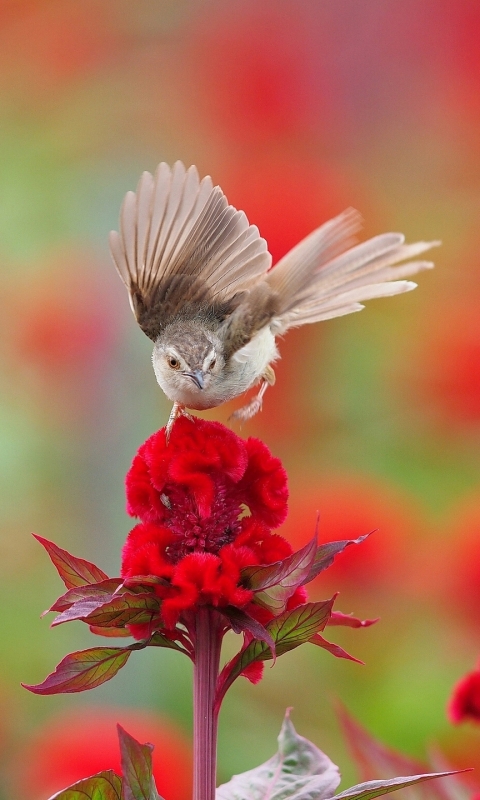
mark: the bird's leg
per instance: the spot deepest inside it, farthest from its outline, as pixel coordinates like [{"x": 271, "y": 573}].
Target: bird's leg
[
  {"x": 253, "y": 407},
  {"x": 178, "y": 410}
]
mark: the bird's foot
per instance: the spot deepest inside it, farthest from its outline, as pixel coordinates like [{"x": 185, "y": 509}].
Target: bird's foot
[
  {"x": 253, "y": 407},
  {"x": 177, "y": 411}
]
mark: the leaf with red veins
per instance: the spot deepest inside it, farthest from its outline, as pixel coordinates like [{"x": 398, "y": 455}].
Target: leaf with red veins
[
  {"x": 274, "y": 584},
  {"x": 334, "y": 649},
  {"x": 144, "y": 580},
  {"x": 244, "y": 623},
  {"x": 72, "y": 570},
  {"x": 85, "y": 669},
  {"x": 159, "y": 639},
  {"x": 326, "y": 553},
  {"x": 289, "y": 630},
  {"x": 91, "y": 590},
  {"x": 337, "y": 618},
  {"x": 138, "y": 781},
  {"x": 116, "y": 612},
  {"x": 105, "y": 785},
  {"x": 110, "y": 633}
]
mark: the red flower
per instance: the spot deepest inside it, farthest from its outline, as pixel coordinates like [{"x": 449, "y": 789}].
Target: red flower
[
  {"x": 191, "y": 496},
  {"x": 465, "y": 701},
  {"x": 202, "y": 561}
]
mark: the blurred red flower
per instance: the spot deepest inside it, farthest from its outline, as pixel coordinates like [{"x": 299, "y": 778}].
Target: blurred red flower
[
  {"x": 349, "y": 506},
  {"x": 254, "y": 72},
  {"x": 287, "y": 196},
  {"x": 459, "y": 569},
  {"x": 448, "y": 377},
  {"x": 191, "y": 496},
  {"x": 464, "y": 703},
  {"x": 61, "y": 333},
  {"x": 79, "y": 743}
]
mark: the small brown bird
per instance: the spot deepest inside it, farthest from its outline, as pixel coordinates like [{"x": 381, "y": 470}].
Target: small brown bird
[{"x": 201, "y": 285}]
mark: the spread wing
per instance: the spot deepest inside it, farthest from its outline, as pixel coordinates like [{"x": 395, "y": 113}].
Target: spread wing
[
  {"x": 323, "y": 277},
  {"x": 181, "y": 246},
  {"x": 311, "y": 285}
]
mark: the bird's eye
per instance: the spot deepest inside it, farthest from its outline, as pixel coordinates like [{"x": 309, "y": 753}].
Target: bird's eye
[
  {"x": 212, "y": 364},
  {"x": 173, "y": 362}
]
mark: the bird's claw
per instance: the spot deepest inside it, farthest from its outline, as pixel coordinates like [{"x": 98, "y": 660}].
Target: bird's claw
[
  {"x": 177, "y": 411},
  {"x": 253, "y": 407}
]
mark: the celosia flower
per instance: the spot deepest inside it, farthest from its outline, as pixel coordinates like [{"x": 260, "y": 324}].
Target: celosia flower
[
  {"x": 205, "y": 500},
  {"x": 465, "y": 701},
  {"x": 204, "y": 559}
]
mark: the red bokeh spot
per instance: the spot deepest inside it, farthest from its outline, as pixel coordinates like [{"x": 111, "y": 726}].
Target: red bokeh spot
[
  {"x": 77, "y": 744},
  {"x": 349, "y": 507},
  {"x": 254, "y": 72},
  {"x": 287, "y": 197},
  {"x": 449, "y": 374}
]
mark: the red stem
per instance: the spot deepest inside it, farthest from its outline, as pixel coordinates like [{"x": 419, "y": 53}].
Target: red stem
[{"x": 208, "y": 642}]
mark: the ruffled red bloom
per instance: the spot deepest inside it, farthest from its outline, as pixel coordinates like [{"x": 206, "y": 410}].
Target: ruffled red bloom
[
  {"x": 192, "y": 496},
  {"x": 465, "y": 701}
]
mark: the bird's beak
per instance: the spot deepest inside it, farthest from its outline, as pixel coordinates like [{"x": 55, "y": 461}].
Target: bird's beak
[{"x": 197, "y": 377}]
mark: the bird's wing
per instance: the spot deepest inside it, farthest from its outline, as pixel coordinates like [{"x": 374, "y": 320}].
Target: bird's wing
[
  {"x": 181, "y": 244},
  {"x": 313, "y": 282}
]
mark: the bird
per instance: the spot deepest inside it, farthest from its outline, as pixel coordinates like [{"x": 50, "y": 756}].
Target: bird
[{"x": 202, "y": 287}]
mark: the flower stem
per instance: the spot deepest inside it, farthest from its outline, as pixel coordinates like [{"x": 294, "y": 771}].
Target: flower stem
[{"x": 208, "y": 642}]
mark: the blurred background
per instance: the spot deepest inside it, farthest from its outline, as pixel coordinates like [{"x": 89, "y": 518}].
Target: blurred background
[{"x": 298, "y": 109}]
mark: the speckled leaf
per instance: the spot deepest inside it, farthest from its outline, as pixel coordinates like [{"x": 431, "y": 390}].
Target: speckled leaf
[
  {"x": 298, "y": 771},
  {"x": 103, "y": 786},
  {"x": 138, "y": 782},
  {"x": 72, "y": 570}
]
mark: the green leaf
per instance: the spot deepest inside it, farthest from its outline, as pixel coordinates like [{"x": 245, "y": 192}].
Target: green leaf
[
  {"x": 273, "y": 584},
  {"x": 85, "y": 669},
  {"x": 104, "y": 786},
  {"x": 138, "y": 782},
  {"x": 371, "y": 789},
  {"x": 289, "y": 630},
  {"x": 116, "y": 612},
  {"x": 299, "y": 770},
  {"x": 72, "y": 570}
]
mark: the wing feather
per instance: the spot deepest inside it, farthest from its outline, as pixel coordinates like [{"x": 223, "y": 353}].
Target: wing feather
[
  {"x": 317, "y": 288},
  {"x": 181, "y": 245}
]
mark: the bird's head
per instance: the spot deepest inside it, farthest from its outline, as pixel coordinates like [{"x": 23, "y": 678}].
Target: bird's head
[{"x": 186, "y": 359}]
